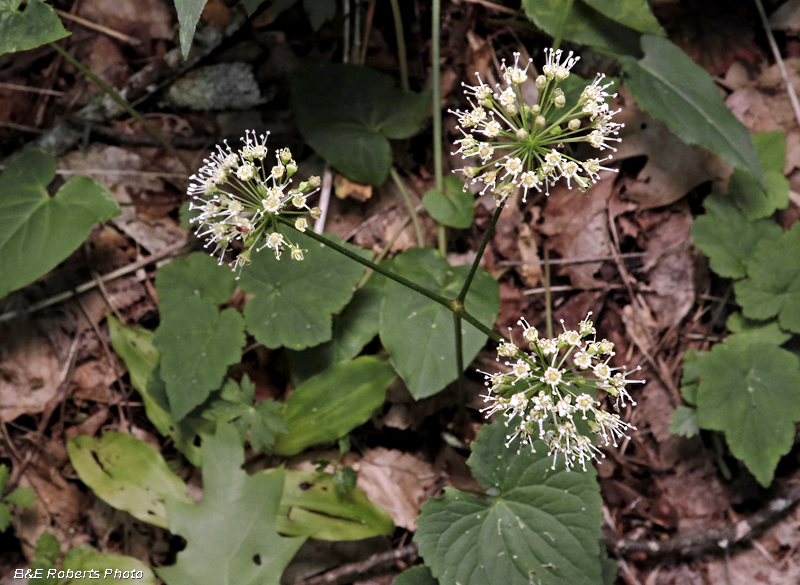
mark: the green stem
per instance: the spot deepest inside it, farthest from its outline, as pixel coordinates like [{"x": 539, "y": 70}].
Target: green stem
[
  {"x": 459, "y": 351},
  {"x": 548, "y": 303},
  {"x": 467, "y": 283},
  {"x": 112, "y": 93},
  {"x": 436, "y": 24},
  {"x": 451, "y": 304},
  {"x": 401, "y": 43},
  {"x": 412, "y": 210},
  {"x": 562, "y": 24},
  {"x": 441, "y": 236}
]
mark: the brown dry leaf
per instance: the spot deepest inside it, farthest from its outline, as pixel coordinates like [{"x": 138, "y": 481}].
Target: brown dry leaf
[
  {"x": 150, "y": 19},
  {"x": 577, "y": 224},
  {"x": 528, "y": 252},
  {"x": 398, "y": 482},
  {"x": 106, "y": 60},
  {"x": 576, "y": 307},
  {"x": 669, "y": 264},
  {"x": 655, "y": 407},
  {"x": 216, "y": 14},
  {"x": 673, "y": 167},
  {"x": 751, "y": 566},
  {"x": 344, "y": 188}
]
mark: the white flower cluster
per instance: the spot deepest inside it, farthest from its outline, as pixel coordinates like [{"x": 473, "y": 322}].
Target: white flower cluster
[
  {"x": 549, "y": 386},
  {"x": 516, "y": 144},
  {"x": 240, "y": 196}
]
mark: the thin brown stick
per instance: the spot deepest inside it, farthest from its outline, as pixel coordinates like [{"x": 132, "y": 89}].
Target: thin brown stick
[
  {"x": 552, "y": 261},
  {"x": 28, "y": 89},
  {"x": 493, "y": 6},
  {"x": 349, "y": 572},
  {"x": 99, "y": 28}
]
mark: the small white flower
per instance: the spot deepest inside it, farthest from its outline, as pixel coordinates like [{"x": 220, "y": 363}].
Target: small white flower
[
  {"x": 583, "y": 360},
  {"x": 246, "y": 172},
  {"x": 301, "y": 224},
  {"x": 297, "y": 253},
  {"x": 552, "y": 376}
]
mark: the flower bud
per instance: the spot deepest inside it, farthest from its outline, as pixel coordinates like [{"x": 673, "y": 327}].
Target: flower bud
[
  {"x": 574, "y": 124},
  {"x": 286, "y": 155},
  {"x": 535, "y": 109},
  {"x": 522, "y": 134},
  {"x": 560, "y": 101},
  {"x": 291, "y": 168},
  {"x": 541, "y": 82},
  {"x": 314, "y": 181},
  {"x": 540, "y": 121},
  {"x": 316, "y": 212}
]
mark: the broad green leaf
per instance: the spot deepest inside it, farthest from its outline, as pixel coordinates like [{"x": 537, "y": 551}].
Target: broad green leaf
[
  {"x": 684, "y": 422},
  {"x": 48, "y": 550},
  {"x": 347, "y": 112},
  {"x": 353, "y": 328},
  {"x": 772, "y": 286},
  {"x": 263, "y": 420},
  {"x": 757, "y": 331},
  {"x": 250, "y": 6},
  {"x": 533, "y": 525},
  {"x": 418, "y": 332},
  {"x": 749, "y": 391},
  {"x": 331, "y": 404},
  {"x": 128, "y": 474},
  {"x": 37, "y": 231},
  {"x": 583, "y": 25},
  {"x": 420, "y": 575},
  {"x": 135, "y": 347},
  {"x": 189, "y": 12},
  {"x": 312, "y": 506},
  {"x": 196, "y": 344},
  {"x": 37, "y": 25},
  {"x": 728, "y": 237},
  {"x": 454, "y": 207},
  {"x": 23, "y": 496},
  {"x": 635, "y": 14},
  {"x": 754, "y": 201},
  {"x": 196, "y": 276},
  {"x": 3, "y": 478},
  {"x": 94, "y": 565},
  {"x": 293, "y": 301},
  {"x": 231, "y": 536},
  {"x": 691, "y": 376},
  {"x": 5, "y": 517},
  {"x": 319, "y": 11},
  {"x": 676, "y": 90}
]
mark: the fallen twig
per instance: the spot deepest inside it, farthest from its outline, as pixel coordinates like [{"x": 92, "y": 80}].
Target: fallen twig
[{"x": 347, "y": 573}]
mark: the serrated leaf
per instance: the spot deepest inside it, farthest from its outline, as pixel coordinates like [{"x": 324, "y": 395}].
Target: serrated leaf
[
  {"x": 691, "y": 376},
  {"x": 539, "y": 524},
  {"x": 47, "y": 549},
  {"x": 757, "y": 331},
  {"x": 728, "y": 237},
  {"x": 749, "y": 391},
  {"x": 420, "y": 575},
  {"x": 231, "y": 536},
  {"x": 418, "y": 332},
  {"x": 23, "y": 496},
  {"x": 454, "y": 207},
  {"x": 293, "y": 301},
  {"x": 196, "y": 276},
  {"x": 347, "y": 112},
  {"x": 37, "y": 231},
  {"x": 684, "y": 422},
  {"x": 331, "y": 404},
  {"x": 354, "y": 327},
  {"x": 755, "y": 201},
  {"x": 85, "y": 559},
  {"x": 189, "y": 12},
  {"x": 127, "y": 474},
  {"x": 772, "y": 286},
  {"x": 312, "y": 506},
  {"x": 135, "y": 347},
  {"x": 196, "y": 344},
  {"x": 583, "y": 25},
  {"x": 635, "y": 14},
  {"x": 23, "y": 30},
  {"x": 263, "y": 420},
  {"x": 676, "y": 90}
]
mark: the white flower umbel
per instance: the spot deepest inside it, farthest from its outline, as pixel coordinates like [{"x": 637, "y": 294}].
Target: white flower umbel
[
  {"x": 241, "y": 193},
  {"x": 551, "y": 386},
  {"x": 516, "y": 144}
]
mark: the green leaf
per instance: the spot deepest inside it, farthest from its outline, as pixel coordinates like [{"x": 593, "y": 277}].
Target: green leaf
[
  {"x": 189, "y": 12},
  {"x": 231, "y": 536},
  {"x": 418, "y": 332},
  {"x": 728, "y": 237},
  {"x": 84, "y": 559},
  {"x": 250, "y": 6},
  {"x": 454, "y": 207},
  {"x": 416, "y": 576},
  {"x": 345, "y": 479},
  {"x": 37, "y": 25},
  {"x": 635, "y": 14},
  {"x": 196, "y": 276},
  {"x": 772, "y": 286},
  {"x": 5, "y": 517},
  {"x": 263, "y": 420},
  {"x": 196, "y": 344},
  {"x": 3, "y": 478},
  {"x": 293, "y": 301},
  {"x": 128, "y": 474},
  {"x": 749, "y": 391},
  {"x": 353, "y": 328},
  {"x": 534, "y": 525},
  {"x": 347, "y": 112},
  {"x": 583, "y": 25},
  {"x": 333, "y": 403},
  {"x": 684, "y": 422},
  {"x": 312, "y": 506},
  {"x": 47, "y": 549},
  {"x": 23, "y": 496},
  {"x": 752, "y": 198},
  {"x": 757, "y": 331},
  {"x": 319, "y": 11},
  {"x": 37, "y": 231},
  {"x": 135, "y": 347},
  {"x": 676, "y": 90}
]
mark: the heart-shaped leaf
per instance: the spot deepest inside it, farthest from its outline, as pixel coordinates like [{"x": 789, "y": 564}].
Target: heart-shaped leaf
[
  {"x": 20, "y": 31},
  {"x": 454, "y": 207}
]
